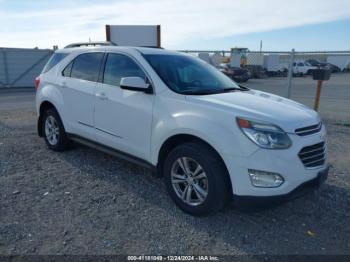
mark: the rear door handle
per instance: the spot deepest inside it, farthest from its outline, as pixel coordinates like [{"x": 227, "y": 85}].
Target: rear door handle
[{"x": 102, "y": 96}]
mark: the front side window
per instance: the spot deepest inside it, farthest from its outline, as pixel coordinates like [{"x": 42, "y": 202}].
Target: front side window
[
  {"x": 189, "y": 75},
  {"x": 87, "y": 66},
  {"x": 119, "y": 66}
]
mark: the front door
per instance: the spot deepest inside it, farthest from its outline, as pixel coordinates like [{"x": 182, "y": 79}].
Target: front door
[{"x": 123, "y": 118}]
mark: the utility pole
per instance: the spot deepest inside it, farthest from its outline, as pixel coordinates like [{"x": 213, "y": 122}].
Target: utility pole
[{"x": 290, "y": 73}]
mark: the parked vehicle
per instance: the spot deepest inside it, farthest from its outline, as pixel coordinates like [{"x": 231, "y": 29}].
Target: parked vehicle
[
  {"x": 256, "y": 71},
  {"x": 238, "y": 74},
  {"x": 283, "y": 72},
  {"x": 210, "y": 139},
  {"x": 303, "y": 68},
  {"x": 313, "y": 62},
  {"x": 331, "y": 67}
]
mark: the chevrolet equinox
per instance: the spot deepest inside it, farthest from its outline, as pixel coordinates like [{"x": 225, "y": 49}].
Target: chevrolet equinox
[{"x": 209, "y": 138}]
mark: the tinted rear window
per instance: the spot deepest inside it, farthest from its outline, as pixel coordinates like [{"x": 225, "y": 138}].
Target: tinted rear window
[
  {"x": 54, "y": 60},
  {"x": 87, "y": 66}
]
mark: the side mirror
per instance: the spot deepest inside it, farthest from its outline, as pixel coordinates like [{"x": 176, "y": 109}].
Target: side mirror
[{"x": 135, "y": 83}]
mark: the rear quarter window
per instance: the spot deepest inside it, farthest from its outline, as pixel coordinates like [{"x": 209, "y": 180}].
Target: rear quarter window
[{"x": 54, "y": 60}]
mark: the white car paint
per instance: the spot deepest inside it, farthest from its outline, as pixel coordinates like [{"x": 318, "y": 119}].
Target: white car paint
[
  {"x": 303, "y": 68},
  {"x": 140, "y": 123}
]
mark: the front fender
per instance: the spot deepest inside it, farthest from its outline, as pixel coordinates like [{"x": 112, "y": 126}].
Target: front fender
[{"x": 220, "y": 132}]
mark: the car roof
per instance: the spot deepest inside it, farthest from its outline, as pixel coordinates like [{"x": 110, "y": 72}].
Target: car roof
[{"x": 129, "y": 49}]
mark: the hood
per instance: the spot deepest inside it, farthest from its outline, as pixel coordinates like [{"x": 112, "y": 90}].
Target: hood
[{"x": 287, "y": 114}]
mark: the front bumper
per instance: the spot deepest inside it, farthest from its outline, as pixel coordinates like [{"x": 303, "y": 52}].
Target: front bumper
[
  {"x": 304, "y": 188},
  {"x": 286, "y": 163}
]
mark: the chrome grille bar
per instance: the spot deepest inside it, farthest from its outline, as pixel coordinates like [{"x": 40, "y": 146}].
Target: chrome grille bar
[{"x": 309, "y": 130}]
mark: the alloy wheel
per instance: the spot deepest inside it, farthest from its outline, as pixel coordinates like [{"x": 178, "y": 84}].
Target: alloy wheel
[
  {"x": 189, "y": 181},
  {"x": 52, "y": 130}
]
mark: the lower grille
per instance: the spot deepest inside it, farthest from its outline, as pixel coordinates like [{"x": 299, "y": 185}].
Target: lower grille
[{"x": 313, "y": 156}]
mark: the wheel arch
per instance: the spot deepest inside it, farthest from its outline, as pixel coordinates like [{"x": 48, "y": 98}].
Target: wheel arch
[
  {"x": 44, "y": 106},
  {"x": 178, "y": 139}
]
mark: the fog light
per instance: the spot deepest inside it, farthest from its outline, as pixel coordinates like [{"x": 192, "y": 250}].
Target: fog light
[{"x": 265, "y": 179}]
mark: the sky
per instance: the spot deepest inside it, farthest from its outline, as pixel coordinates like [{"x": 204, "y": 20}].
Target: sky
[{"x": 305, "y": 25}]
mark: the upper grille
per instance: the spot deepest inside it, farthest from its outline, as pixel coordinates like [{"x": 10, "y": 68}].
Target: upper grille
[
  {"x": 308, "y": 130},
  {"x": 313, "y": 156}
]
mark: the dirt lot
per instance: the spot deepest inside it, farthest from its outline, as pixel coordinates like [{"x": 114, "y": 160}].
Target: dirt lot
[{"x": 86, "y": 202}]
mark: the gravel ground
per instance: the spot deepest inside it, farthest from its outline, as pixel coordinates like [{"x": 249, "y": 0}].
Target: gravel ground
[{"x": 86, "y": 202}]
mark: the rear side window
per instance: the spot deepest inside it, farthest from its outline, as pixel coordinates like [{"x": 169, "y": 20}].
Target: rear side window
[
  {"x": 119, "y": 66},
  {"x": 54, "y": 60},
  {"x": 86, "y": 66}
]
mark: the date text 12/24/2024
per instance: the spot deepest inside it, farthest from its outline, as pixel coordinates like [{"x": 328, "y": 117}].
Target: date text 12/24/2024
[{"x": 173, "y": 258}]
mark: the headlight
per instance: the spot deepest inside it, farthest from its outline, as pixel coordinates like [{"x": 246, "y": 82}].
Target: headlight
[{"x": 265, "y": 135}]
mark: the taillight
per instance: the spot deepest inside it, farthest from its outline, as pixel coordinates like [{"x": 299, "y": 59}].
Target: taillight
[{"x": 37, "y": 82}]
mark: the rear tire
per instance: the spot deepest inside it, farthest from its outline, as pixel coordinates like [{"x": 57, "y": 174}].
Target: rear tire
[
  {"x": 53, "y": 131},
  {"x": 196, "y": 179}
]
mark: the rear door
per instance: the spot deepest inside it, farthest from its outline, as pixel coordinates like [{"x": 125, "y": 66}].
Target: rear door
[
  {"x": 123, "y": 118},
  {"x": 78, "y": 83}
]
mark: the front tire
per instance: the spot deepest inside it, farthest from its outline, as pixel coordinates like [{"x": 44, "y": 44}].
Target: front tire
[
  {"x": 53, "y": 130},
  {"x": 196, "y": 179}
]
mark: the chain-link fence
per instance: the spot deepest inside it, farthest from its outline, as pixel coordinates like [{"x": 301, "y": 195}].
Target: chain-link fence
[{"x": 265, "y": 64}]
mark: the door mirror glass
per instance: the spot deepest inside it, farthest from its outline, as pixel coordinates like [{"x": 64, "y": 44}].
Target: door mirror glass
[{"x": 135, "y": 83}]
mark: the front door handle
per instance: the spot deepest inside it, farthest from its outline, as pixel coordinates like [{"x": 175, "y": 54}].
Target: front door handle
[{"x": 102, "y": 96}]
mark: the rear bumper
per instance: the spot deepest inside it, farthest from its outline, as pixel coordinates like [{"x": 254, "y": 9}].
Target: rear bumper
[{"x": 306, "y": 187}]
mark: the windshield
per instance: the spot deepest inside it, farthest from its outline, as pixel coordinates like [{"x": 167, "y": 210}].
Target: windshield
[{"x": 189, "y": 75}]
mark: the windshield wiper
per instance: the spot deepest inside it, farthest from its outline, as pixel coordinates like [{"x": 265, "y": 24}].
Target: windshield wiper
[
  {"x": 215, "y": 91},
  {"x": 200, "y": 92},
  {"x": 240, "y": 88}
]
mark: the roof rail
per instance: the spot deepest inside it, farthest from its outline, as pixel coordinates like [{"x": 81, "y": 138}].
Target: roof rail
[
  {"x": 100, "y": 43},
  {"x": 151, "y": 46}
]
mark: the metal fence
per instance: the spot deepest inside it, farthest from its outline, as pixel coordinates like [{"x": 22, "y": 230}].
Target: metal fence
[
  {"x": 263, "y": 58},
  {"x": 262, "y": 64},
  {"x": 19, "y": 66}
]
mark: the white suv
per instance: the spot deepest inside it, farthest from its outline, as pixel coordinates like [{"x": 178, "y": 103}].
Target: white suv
[
  {"x": 210, "y": 139},
  {"x": 303, "y": 68}
]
